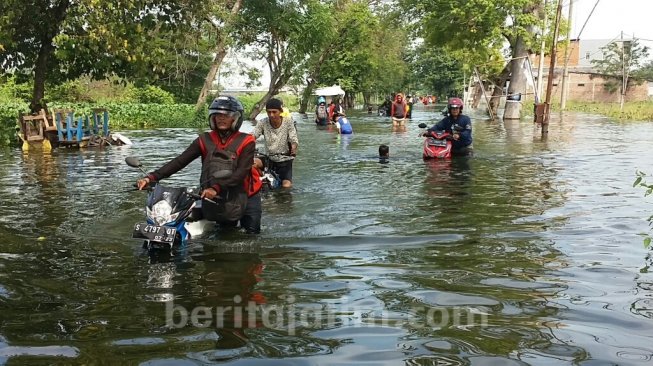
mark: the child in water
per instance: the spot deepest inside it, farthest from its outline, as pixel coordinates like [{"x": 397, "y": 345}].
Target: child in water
[{"x": 384, "y": 154}]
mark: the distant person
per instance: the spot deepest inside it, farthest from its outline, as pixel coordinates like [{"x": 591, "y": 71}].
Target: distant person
[
  {"x": 384, "y": 108},
  {"x": 409, "y": 102},
  {"x": 459, "y": 125},
  {"x": 384, "y": 154},
  {"x": 321, "y": 112},
  {"x": 337, "y": 109},
  {"x": 398, "y": 110},
  {"x": 342, "y": 124},
  {"x": 331, "y": 108}
]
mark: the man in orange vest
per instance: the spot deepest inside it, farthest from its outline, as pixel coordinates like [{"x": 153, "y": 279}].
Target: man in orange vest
[{"x": 224, "y": 139}]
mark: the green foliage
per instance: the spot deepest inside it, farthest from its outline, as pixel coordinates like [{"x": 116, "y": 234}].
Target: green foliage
[
  {"x": 633, "y": 111},
  {"x": 139, "y": 116},
  {"x": 11, "y": 90},
  {"x": 9, "y": 112},
  {"x": 63, "y": 40},
  {"x": 121, "y": 116},
  {"x": 368, "y": 52},
  {"x": 480, "y": 29},
  {"x": 475, "y": 25},
  {"x": 621, "y": 59},
  {"x": 70, "y": 91},
  {"x": 645, "y": 72},
  {"x": 436, "y": 71},
  {"x": 150, "y": 95},
  {"x": 640, "y": 182}
]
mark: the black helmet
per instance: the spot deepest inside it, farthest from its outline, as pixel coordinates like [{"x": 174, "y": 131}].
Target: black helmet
[{"x": 227, "y": 105}]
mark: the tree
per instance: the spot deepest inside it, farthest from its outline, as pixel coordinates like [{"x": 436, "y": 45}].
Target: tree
[
  {"x": 55, "y": 41},
  {"x": 370, "y": 53},
  {"x": 221, "y": 24},
  {"x": 482, "y": 26},
  {"x": 621, "y": 59},
  {"x": 645, "y": 72},
  {"x": 435, "y": 70},
  {"x": 283, "y": 34}
]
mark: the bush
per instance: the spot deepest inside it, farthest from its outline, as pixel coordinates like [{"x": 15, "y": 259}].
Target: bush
[
  {"x": 141, "y": 116},
  {"x": 249, "y": 100},
  {"x": 11, "y": 92},
  {"x": 9, "y": 121},
  {"x": 121, "y": 116},
  {"x": 150, "y": 95},
  {"x": 71, "y": 91}
]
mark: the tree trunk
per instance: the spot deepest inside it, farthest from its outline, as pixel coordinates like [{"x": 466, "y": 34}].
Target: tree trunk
[
  {"x": 497, "y": 93},
  {"x": 312, "y": 79},
  {"x": 476, "y": 96},
  {"x": 220, "y": 53},
  {"x": 45, "y": 52},
  {"x": 517, "y": 80},
  {"x": 306, "y": 95},
  {"x": 40, "y": 71},
  {"x": 258, "y": 107},
  {"x": 277, "y": 81}
]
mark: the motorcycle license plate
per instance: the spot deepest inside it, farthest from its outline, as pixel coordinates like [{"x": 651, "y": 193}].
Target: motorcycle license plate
[
  {"x": 164, "y": 234},
  {"x": 434, "y": 142}
]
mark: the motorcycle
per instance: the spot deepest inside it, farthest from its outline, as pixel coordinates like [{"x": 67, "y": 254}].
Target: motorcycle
[
  {"x": 437, "y": 144},
  {"x": 269, "y": 177},
  {"x": 173, "y": 214}
]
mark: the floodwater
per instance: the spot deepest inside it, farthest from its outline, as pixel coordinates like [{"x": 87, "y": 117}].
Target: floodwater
[{"x": 530, "y": 252}]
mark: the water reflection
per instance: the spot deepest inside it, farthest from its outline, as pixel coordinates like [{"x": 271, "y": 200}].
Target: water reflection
[
  {"x": 448, "y": 177},
  {"x": 538, "y": 239}
]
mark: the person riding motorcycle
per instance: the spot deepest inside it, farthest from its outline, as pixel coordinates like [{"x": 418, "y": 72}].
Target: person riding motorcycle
[
  {"x": 225, "y": 120},
  {"x": 459, "y": 125}
]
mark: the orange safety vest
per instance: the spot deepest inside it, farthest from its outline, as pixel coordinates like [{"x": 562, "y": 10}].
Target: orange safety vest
[{"x": 209, "y": 141}]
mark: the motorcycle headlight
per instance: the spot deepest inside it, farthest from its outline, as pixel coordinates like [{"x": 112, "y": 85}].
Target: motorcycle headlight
[{"x": 161, "y": 213}]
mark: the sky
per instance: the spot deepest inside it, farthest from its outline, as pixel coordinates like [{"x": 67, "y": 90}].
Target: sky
[{"x": 610, "y": 18}]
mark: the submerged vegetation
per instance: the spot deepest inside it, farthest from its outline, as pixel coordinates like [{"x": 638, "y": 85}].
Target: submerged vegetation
[{"x": 641, "y": 182}]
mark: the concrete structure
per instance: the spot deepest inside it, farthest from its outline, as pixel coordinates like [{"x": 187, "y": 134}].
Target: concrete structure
[{"x": 585, "y": 84}]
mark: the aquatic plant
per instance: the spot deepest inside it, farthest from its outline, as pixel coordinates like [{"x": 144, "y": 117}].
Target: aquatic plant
[{"x": 641, "y": 182}]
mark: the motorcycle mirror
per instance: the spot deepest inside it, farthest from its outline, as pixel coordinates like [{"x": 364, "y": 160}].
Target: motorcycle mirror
[
  {"x": 422, "y": 125},
  {"x": 133, "y": 162}
]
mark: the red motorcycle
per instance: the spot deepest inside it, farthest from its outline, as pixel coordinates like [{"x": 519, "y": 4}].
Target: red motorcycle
[{"x": 437, "y": 144}]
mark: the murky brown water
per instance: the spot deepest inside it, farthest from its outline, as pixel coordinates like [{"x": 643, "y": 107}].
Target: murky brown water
[{"x": 528, "y": 253}]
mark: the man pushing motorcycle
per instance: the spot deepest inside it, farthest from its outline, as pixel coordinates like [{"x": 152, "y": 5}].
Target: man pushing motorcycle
[
  {"x": 459, "y": 125},
  {"x": 235, "y": 197}
]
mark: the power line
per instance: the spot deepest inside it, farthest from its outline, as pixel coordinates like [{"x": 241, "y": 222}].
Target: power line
[{"x": 588, "y": 18}]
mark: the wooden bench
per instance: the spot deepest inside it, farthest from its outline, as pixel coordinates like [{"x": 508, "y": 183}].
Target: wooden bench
[{"x": 33, "y": 126}]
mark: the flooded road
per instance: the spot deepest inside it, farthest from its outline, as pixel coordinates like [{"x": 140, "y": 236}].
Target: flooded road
[{"x": 530, "y": 252}]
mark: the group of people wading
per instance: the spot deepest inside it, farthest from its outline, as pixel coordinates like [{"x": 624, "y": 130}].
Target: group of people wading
[{"x": 224, "y": 139}]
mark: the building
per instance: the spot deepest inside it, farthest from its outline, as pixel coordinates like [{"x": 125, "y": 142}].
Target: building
[{"x": 585, "y": 83}]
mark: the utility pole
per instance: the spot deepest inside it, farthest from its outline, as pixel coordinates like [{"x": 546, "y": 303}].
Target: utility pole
[
  {"x": 623, "y": 73},
  {"x": 552, "y": 65},
  {"x": 540, "y": 66},
  {"x": 565, "y": 72}
]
